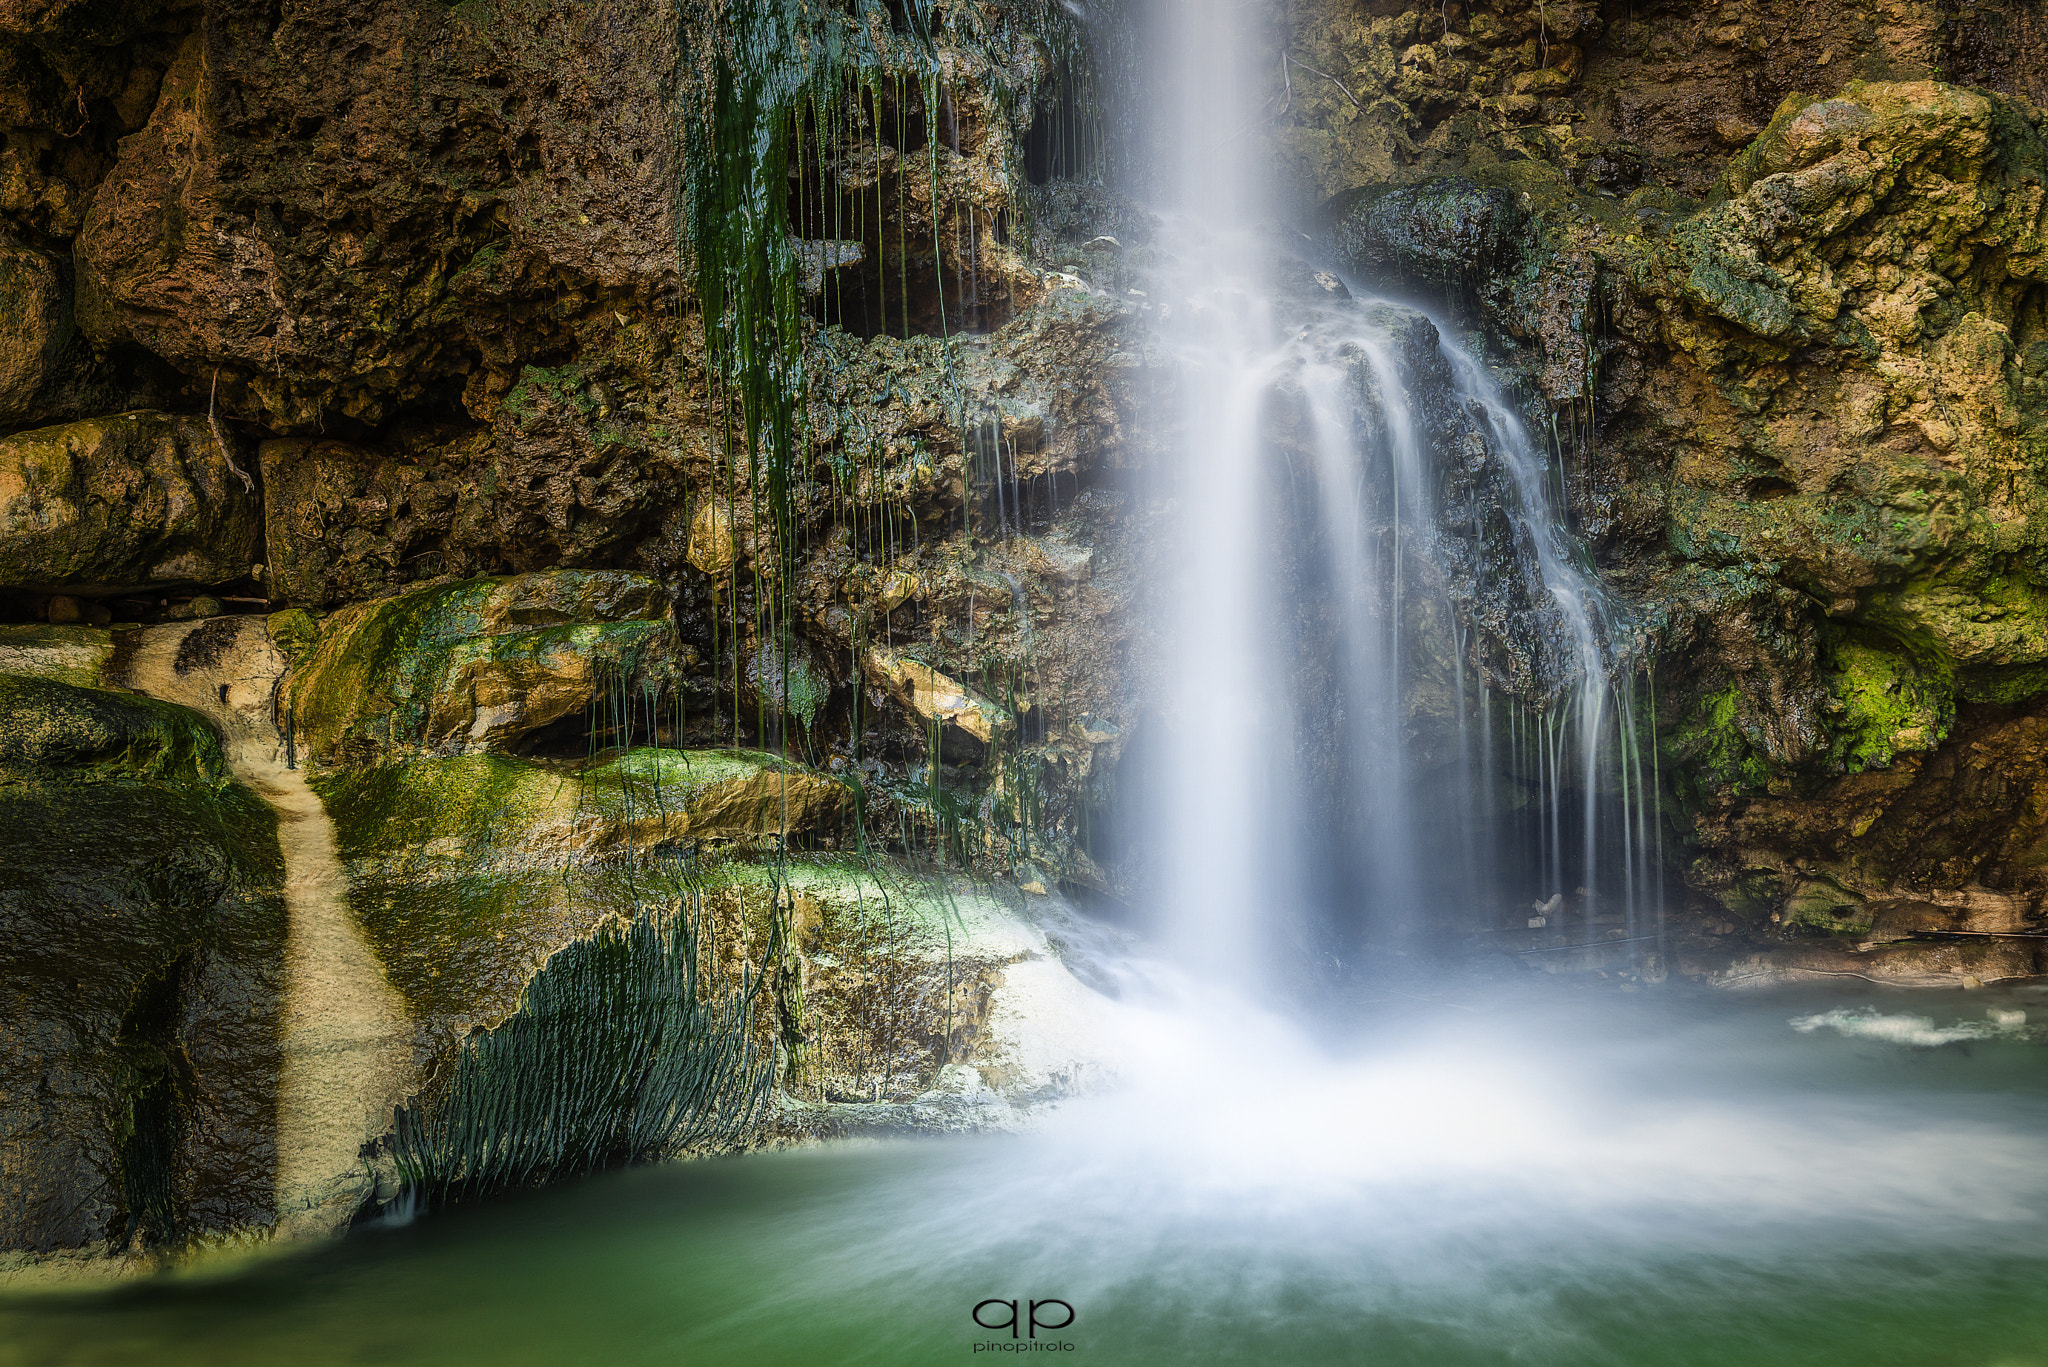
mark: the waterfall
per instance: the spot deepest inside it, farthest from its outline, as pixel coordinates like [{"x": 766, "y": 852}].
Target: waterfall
[{"x": 1329, "y": 774}]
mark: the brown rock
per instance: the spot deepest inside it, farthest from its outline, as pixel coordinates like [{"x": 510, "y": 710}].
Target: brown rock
[
  {"x": 1731, "y": 130},
  {"x": 33, "y": 326},
  {"x": 131, "y": 501}
]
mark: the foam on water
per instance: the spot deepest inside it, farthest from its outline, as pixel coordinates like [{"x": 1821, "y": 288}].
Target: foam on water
[{"x": 1866, "y": 1022}]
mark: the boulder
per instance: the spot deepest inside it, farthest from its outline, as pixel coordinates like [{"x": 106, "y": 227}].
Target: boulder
[
  {"x": 1444, "y": 237},
  {"x": 141, "y": 906},
  {"x": 474, "y": 665},
  {"x": 50, "y": 729},
  {"x": 135, "y": 501},
  {"x": 34, "y": 325}
]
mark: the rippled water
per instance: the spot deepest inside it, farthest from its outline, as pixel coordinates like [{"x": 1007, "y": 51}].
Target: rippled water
[{"x": 1489, "y": 1181}]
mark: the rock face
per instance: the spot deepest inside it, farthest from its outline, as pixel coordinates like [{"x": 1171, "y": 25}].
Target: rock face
[
  {"x": 472, "y": 665},
  {"x": 130, "y": 502},
  {"x": 139, "y": 899},
  {"x": 1803, "y": 415},
  {"x": 1857, "y": 330}
]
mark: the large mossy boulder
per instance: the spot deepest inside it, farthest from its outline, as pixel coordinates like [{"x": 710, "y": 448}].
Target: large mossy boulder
[
  {"x": 144, "y": 924},
  {"x": 468, "y": 872},
  {"x": 54, "y": 730},
  {"x": 475, "y": 665},
  {"x": 128, "y": 502}
]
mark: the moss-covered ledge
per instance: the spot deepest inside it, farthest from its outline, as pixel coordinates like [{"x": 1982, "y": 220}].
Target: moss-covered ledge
[{"x": 472, "y": 665}]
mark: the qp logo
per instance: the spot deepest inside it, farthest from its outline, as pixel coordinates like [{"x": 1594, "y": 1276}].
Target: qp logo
[{"x": 1024, "y": 1318}]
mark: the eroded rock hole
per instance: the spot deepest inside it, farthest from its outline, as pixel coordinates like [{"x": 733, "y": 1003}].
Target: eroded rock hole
[{"x": 1065, "y": 139}]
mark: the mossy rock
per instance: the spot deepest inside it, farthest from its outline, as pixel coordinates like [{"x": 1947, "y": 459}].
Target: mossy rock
[
  {"x": 1712, "y": 749},
  {"x": 472, "y": 665},
  {"x": 51, "y": 730},
  {"x": 295, "y": 631},
  {"x": 126, "y": 502},
  {"x": 145, "y": 929},
  {"x": 1445, "y": 236},
  {"x": 1886, "y": 703},
  {"x": 67, "y": 654},
  {"x": 469, "y": 871},
  {"x": 1820, "y": 903}
]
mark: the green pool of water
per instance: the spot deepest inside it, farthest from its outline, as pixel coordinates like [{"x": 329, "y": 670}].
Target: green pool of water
[{"x": 1637, "y": 1184}]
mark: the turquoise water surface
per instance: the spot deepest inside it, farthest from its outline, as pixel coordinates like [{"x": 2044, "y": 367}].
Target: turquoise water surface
[{"x": 1634, "y": 1183}]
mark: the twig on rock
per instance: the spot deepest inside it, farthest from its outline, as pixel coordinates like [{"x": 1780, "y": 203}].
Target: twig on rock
[
  {"x": 1334, "y": 81},
  {"x": 220, "y": 436}
]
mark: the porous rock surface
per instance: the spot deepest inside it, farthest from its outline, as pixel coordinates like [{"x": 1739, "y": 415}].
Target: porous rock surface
[{"x": 1779, "y": 275}]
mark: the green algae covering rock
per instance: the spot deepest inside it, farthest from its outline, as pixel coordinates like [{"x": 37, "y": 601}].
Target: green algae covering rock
[
  {"x": 468, "y": 872},
  {"x": 50, "y": 729},
  {"x": 474, "y": 665},
  {"x": 68, "y": 654},
  {"x": 141, "y": 908},
  {"x": 126, "y": 502}
]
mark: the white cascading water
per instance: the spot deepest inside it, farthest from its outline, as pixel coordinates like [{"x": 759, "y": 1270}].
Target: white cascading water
[
  {"x": 1305, "y": 546},
  {"x": 1453, "y": 1147}
]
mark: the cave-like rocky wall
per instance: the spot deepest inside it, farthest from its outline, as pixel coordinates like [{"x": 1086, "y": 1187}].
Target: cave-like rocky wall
[
  {"x": 1775, "y": 272},
  {"x": 397, "y": 293},
  {"x": 375, "y": 327}
]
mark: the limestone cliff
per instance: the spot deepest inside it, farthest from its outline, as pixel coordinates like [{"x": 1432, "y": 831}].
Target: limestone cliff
[{"x": 1776, "y": 275}]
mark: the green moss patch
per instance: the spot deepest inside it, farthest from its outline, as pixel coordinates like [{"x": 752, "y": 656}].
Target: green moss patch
[
  {"x": 413, "y": 671},
  {"x": 1884, "y": 702},
  {"x": 58, "y": 731}
]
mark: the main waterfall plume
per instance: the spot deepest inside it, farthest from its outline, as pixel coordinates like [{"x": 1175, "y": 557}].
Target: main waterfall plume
[{"x": 1341, "y": 755}]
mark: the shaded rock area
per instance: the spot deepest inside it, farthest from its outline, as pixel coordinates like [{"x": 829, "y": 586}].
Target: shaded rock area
[{"x": 141, "y": 906}]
